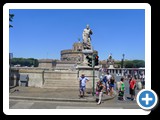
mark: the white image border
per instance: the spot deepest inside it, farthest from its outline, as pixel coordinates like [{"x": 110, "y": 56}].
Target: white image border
[{"x": 8, "y": 6}]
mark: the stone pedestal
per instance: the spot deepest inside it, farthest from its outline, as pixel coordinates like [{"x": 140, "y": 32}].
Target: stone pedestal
[
  {"x": 85, "y": 53},
  {"x": 111, "y": 66}
]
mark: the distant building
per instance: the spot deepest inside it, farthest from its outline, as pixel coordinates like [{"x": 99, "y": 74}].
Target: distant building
[
  {"x": 69, "y": 58},
  {"x": 75, "y": 54}
]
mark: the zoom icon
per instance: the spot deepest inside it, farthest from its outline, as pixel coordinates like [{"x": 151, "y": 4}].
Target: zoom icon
[{"x": 147, "y": 99}]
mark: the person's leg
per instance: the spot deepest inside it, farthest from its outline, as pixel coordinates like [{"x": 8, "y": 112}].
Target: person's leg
[
  {"x": 80, "y": 91},
  {"x": 83, "y": 91},
  {"x": 134, "y": 97},
  {"x": 111, "y": 92},
  {"x": 106, "y": 89},
  {"x": 131, "y": 93},
  {"x": 124, "y": 96},
  {"x": 100, "y": 97}
]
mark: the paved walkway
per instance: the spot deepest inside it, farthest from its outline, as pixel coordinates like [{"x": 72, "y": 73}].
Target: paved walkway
[{"x": 49, "y": 94}]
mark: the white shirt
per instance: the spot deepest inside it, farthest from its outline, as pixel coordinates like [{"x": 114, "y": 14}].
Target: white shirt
[
  {"x": 108, "y": 77},
  {"x": 83, "y": 81}
]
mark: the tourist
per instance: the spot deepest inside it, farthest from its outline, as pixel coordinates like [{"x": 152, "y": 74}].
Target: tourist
[
  {"x": 132, "y": 86},
  {"x": 111, "y": 85},
  {"x": 82, "y": 85},
  {"x": 122, "y": 89},
  {"x": 99, "y": 91},
  {"x": 143, "y": 81},
  {"x": 108, "y": 76},
  {"x": 105, "y": 82}
]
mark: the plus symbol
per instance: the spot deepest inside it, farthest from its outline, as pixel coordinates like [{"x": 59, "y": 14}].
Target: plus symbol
[{"x": 147, "y": 99}]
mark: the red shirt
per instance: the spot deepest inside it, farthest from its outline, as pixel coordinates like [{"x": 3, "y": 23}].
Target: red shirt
[{"x": 132, "y": 83}]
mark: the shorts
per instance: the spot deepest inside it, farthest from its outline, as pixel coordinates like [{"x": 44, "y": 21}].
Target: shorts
[
  {"x": 111, "y": 85},
  {"x": 121, "y": 93},
  {"x": 132, "y": 91},
  {"x": 82, "y": 88}
]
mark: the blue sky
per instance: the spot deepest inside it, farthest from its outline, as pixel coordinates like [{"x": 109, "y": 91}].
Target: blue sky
[{"x": 42, "y": 33}]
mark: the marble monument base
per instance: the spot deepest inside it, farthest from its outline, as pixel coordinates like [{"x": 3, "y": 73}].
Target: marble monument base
[{"x": 85, "y": 54}]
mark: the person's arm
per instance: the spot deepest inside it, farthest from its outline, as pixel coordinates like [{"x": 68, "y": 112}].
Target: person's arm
[
  {"x": 87, "y": 79},
  {"x": 91, "y": 32}
]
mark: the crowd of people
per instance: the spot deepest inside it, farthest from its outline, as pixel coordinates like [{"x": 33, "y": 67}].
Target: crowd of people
[{"x": 106, "y": 85}]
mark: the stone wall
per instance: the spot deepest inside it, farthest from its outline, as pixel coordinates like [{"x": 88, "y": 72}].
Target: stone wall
[
  {"x": 36, "y": 78},
  {"x": 49, "y": 78},
  {"x": 46, "y": 63},
  {"x": 58, "y": 79},
  {"x": 14, "y": 78}
]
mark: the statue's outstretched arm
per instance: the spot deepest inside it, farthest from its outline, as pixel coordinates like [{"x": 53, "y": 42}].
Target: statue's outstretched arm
[{"x": 91, "y": 32}]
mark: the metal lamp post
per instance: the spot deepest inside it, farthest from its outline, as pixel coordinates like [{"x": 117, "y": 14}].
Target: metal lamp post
[{"x": 123, "y": 60}]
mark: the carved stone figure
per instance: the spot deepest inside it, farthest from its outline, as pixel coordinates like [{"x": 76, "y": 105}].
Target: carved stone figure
[{"x": 86, "y": 37}]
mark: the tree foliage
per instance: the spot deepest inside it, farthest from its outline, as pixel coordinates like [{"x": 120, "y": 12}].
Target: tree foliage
[
  {"x": 11, "y": 19},
  {"x": 117, "y": 64},
  {"x": 25, "y": 62},
  {"x": 134, "y": 63}
]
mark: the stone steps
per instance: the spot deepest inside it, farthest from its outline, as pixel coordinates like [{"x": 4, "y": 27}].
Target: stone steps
[
  {"x": 60, "y": 86},
  {"x": 61, "y": 78},
  {"x": 60, "y": 83}
]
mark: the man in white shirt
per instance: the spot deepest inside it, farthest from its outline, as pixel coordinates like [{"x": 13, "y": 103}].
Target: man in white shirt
[
  {"x": 108, "y": 76},
  {"x": 82, "y": 84}
]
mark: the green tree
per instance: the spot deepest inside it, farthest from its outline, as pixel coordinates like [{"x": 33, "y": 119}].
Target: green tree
[
  {"x": 117, "y": 63},
  {"x": 134, "y": 63},
  {"x": 25, "y": 62},
  {"x": 128, "y": 64},
  {"x": 139, "y": 63}
]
